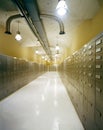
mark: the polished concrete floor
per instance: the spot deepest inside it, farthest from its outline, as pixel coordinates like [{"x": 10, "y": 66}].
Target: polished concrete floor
[{"x": 43, "y": 104}]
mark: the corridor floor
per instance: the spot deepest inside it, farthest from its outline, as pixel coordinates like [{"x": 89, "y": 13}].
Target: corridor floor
[{"x": 43, "y": 104}]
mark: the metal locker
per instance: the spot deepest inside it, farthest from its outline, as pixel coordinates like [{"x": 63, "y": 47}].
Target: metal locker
[
  {"x": 3, "y": 63},
  {"x": 99, "y": 118},
  {"x": 99, "y": 97},
  {"x": 90, "y": 117},
  {"x": 99, "y": 77},
  {"x": 91, "y": 93},
  {"x": 99, "y": 50},
  {"x": 99, "y": 41}
]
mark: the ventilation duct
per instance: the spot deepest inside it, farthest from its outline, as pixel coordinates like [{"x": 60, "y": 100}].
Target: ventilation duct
[{"x": 9, "y": 20}]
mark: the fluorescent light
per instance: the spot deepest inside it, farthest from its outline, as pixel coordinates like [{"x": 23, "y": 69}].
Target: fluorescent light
[{"x": 61, "y": 8}]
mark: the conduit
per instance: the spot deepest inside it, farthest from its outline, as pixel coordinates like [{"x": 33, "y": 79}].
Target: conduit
[
  {"x": 61, "y": 25},
  {"x": 9, "y": 20},
  {"x": 29, "y": 10}
]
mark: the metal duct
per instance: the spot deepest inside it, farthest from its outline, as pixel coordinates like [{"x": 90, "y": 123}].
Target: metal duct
[
  {"x": 9, "y": 20},
  {"x": 61, "y": 25},
  {"x": 29, "y": 9}
]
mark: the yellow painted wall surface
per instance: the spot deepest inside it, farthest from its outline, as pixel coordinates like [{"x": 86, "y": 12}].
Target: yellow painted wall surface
[
  {"x": 87, "y": 30},
  {"x": 9, "y": 46}
]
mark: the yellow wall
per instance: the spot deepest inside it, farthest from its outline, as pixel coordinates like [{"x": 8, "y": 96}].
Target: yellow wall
[
  {"x": 9, "y": 46},
  {"x": 87, "y": 30}
]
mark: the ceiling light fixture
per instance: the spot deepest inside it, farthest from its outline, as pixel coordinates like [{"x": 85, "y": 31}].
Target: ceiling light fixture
[
  {"x": 61, "y": 7},
  {"x": 43, "y": 57},
  {"x": 18, "y": 36},
  {"x": 37, "y": 52},
  {"x": 57, "y": 48}
]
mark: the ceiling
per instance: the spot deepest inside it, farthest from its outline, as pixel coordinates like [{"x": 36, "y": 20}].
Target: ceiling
[{"x": 78, "y": 10}]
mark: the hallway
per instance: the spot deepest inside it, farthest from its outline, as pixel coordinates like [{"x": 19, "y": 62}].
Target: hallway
[{"x": 43, "y": 104}]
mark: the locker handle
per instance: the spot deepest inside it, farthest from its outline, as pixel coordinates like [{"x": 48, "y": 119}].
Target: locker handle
[
  {"x": 98, "y": 41},
  {"x": 98, "y": 76},
  {"x": 90, "y": 85},
  {"x": 90, "y": 59},
  {"x": 98, "y": 66},
  {"x": 98, "y": 89},
  {"x": 99, "y": 113},
  {"x": 98, "y": 57},
  {"x": 84, "y": 82},
  {"x": 84, "y": 117},
  {"x": 90, "y": 66},
  {"x": 90, "y": 47},
  {"x": 90, "y": 53},
  {"x": 89, "y": 74},
  {"x": 98, "y": 49}
]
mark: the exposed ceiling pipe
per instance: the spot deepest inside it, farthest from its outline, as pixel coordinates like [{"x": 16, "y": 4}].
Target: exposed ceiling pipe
[
  {"x": 61, "y": 25},
  {"x": 30, "y": 12},
  {"x": 9, "y": 20}
]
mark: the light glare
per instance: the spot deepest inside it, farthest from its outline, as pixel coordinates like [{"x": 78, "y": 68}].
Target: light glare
[
  {"x": 18, "y": 37},
  {"x": 61, "y": 8},
  {"x": 57, "y": 48},
  {"x": 37, "y": 52}
]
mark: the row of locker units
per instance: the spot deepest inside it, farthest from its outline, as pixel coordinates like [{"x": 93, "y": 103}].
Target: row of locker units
[
  {"x": 15, "y": 73},
  {"x": 82, "y": 74}
]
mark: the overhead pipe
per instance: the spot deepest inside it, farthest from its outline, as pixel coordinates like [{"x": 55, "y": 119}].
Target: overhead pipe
[
  {"x": 61, "y": 25},
  {"x": 30, "y": 12},
  {"x": 9, "y": 20}
]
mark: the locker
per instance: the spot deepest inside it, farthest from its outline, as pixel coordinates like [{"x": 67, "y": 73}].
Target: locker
[
  {"x": 85, "y": 72},
  {"x": 9, "y": 64},
  {"x": 99, "y": 119},
  {"x": 1, "y": 79},
  {"x": 99, "y": 57},
  {"x": 99, "y": 77},
  {"x": 99, "y": 97},
  {"x": 85, "y": 112},
  {"x": 2, "y": 93},
  {"x": 91, "y": 67},
  {"x": 99, "y": 41},
  {"x": 99, "y": 67},
  {"x": 3, "y": 63},
  {"x": 15, "y": 73},
  {"x": 99, "y": 50},
  {"x": 90, "y": 117},
  {"x": 91, "y": 93}
]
